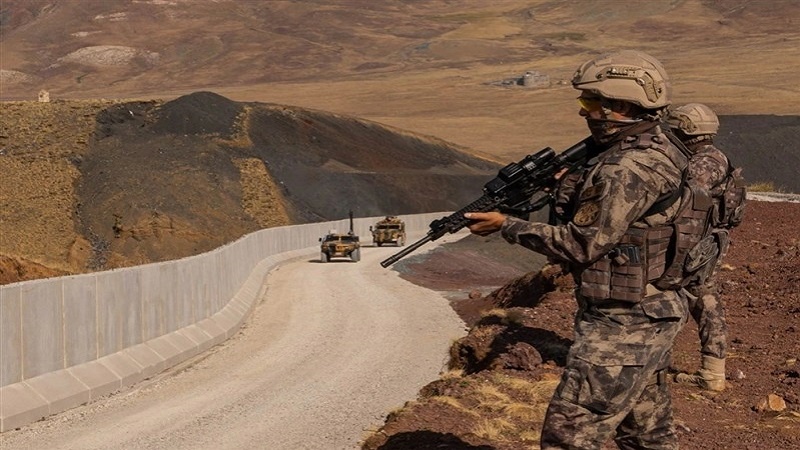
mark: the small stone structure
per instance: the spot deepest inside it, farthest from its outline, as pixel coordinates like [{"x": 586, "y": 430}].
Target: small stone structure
[
  {"x": 535, "y": 79},
  {"x": 530, "y": 79},
  {"x": 44, "y": 96}
]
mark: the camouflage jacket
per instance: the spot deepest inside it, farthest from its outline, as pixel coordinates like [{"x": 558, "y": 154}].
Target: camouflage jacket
[
  {"x": 614, "y": 195},
  {"x": 708, "y": 167}
]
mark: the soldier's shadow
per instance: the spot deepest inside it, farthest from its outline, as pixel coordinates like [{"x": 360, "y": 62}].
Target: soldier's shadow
[{"x": 428, "y": 440}]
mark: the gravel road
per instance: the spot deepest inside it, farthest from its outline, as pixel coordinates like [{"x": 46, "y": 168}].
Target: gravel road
[{"x": 328, "y": 352}]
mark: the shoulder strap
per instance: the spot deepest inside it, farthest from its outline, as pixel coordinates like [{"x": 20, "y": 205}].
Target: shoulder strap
[
  {"x": 666, "y": 200},
  {"x": 677, "y": 142}
]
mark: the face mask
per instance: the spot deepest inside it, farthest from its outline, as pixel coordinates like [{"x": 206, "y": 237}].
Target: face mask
[{"x": 606, "y": 130}]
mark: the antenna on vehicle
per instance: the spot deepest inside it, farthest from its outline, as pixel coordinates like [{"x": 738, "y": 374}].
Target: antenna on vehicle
[{"x": 351, "y": 222}]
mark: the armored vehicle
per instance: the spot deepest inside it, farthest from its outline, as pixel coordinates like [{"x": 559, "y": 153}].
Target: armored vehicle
[
  {"x": 339, "y": 245},
  {"x": 390, "y": 230}
]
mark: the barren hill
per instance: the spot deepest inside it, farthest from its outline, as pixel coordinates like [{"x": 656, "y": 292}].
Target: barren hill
[{"x": 97, "y": 185}]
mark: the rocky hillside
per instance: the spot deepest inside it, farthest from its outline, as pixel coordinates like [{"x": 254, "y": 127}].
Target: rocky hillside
[
  {"x": 503, "y": 373},
  {"x": 92, "y": 185}
]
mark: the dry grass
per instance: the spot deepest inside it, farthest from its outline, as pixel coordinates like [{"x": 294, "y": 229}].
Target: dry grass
[
  {"x": 452, "y": 374},
  {"x": 765, "y": 186},
  {"x": 454, "y": 403},
  {"x": 264, "y": 205},
  {"x": 495, "y": 429},
  {"x": 507, "y": 316},
  {"x": 535, "y": 394},
  {"x": 506, "y": 408},
  {"x": 240, "y": 138},
  {"x": 491, "y": 397}
]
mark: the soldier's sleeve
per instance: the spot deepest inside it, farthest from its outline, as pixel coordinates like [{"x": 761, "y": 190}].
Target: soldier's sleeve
[
  {"x": 707, "y": 170},
  {"x": 619, "y": 195}
]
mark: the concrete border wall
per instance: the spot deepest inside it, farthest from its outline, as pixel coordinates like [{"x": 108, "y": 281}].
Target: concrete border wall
[{"x": 67, "y": 341}]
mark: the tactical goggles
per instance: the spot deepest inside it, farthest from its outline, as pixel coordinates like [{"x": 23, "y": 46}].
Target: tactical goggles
[{"x": 590, "y": 104}]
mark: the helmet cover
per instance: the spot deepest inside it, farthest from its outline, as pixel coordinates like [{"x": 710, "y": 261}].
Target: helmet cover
[
  {"x": 626, "y": 75},
  {"x": 694, "y": 119}
]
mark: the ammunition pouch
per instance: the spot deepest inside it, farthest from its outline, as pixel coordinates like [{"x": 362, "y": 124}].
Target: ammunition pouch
[
  {"x": 702, "y": 254},
  {"x": 623, "y": 273},
  {"x": 703, "y": 260}
]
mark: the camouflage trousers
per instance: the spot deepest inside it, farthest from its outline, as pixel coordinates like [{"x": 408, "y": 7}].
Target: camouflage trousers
[
  {"x": 707, "y": 310},
  {"x": 614, "y": 383}
]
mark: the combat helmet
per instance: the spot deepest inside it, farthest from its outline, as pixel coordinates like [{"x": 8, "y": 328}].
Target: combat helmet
[
  {"x": 628, "y": 75},
  {"x": 693, "y": 119}
]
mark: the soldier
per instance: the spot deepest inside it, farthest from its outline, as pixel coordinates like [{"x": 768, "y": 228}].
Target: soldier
[
  {"x": 696, "y": 125},
  {"x": 612, "y": 237}
]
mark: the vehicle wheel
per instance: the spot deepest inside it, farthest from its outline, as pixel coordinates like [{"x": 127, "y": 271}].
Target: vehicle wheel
[
  {"x": 380, "y": 243},
  {"x": 401, "y": 242},
  {"x": 323, "y": 257},
  {"x": 356, "y": 255}
]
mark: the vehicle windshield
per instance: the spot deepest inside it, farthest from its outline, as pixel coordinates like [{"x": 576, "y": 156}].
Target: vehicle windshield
[{"x": 341, "y": 237}]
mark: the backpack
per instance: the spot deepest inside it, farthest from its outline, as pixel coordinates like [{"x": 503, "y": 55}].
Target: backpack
[
  {"x": 697, "y": 242},
  {"x": 729, "y": 204}
]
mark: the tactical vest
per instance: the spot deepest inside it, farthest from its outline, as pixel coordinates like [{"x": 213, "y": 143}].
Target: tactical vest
[
  {"x": 691, "y": 226},
  {"x": 660, "y": 255}
]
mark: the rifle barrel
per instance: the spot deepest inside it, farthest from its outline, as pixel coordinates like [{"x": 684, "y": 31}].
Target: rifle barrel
[{"x": 396, "y": 257}]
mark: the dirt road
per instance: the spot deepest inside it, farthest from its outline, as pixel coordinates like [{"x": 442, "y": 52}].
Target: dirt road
[{"x": 330, "y": 350}]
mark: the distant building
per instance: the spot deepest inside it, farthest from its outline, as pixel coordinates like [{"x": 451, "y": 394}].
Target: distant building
[
  {"x": 535, "y": 79},
  {"x": 44, "y": 96},
  {"x": 530, "y": 79}
]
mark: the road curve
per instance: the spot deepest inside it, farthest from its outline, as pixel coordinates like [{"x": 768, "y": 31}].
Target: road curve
[{"x": 328, "y": 352}]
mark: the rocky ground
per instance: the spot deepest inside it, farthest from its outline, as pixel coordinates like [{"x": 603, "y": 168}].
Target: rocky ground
[{"x": 504, "y": 371}]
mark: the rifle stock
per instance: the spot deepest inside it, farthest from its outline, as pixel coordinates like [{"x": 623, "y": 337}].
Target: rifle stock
[{"x": 511, "y": 190}]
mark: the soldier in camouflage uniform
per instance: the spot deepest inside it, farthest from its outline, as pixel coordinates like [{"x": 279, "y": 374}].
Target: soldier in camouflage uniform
[
  {"x": 612, "y": 236},
  {"x": 696, "y": 125}
]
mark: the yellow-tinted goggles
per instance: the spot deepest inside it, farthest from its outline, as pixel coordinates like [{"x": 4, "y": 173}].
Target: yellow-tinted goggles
[{"x": 590, "y": 104}]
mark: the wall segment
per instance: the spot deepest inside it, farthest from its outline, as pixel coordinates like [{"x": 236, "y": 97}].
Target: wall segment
[{"x": 70, "y": 340}]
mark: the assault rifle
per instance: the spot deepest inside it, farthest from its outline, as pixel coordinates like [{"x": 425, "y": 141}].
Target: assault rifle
[{"x": 512, "y": 191}]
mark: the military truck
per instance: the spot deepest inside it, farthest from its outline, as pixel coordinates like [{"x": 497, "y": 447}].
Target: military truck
[
  {"x": 390, "y": 230},
  {"x": 339, "y": 245}
]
